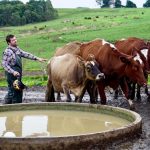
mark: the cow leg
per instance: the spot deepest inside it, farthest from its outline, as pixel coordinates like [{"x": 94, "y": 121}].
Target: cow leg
[
  {"x": 49, "y": 95},
  {"x": 96, "y": 94},
  {"x": 138, "y": 95},
  {"x": 146, "y": 91},
  {"x": 101, "y": 89},
  {"x": 58, "y": 96},
  {"x": 132, "y": 91},
  {"x": 92, "y": 91},
  {"x": 146, "y": 88},
  {"x": 116, "y": 93},
  {"x": 125, "y": 90},
  {"x": 67, "y": 93},
  {"x": 79, "y": 98}
]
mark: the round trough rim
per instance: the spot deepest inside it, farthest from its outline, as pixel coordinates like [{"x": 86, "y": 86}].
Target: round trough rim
[{"x": 128, "y": 130}]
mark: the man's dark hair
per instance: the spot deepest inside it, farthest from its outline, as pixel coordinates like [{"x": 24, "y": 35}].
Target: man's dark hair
[{"x": 8, "y": 37}]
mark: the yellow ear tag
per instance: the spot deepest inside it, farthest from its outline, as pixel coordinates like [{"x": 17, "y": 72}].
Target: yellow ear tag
[{"x": 16, "y": 85}]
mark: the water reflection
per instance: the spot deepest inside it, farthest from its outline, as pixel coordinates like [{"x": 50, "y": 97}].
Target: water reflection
[
  {"x": 24, "y": 126},
  {"x": 33, "y": 126},
  {"x": 2, "y": 125}
]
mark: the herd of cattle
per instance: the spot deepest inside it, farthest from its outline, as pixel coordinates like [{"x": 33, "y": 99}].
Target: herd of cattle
[{"x": 80, "y": 66}]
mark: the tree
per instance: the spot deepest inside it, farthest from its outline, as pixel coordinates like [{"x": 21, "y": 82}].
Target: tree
[
  {"x": 99, "y": 2},
  {"x": 147, "y": 4},
  {"x": 15, "y": 19},
  {"x": 103, "y": 3},
  {"x": 118, "y": 4},
  {"x": 130, "y": 4},
  {"x": 14, "y": 12},
  {"x": 106, "y": 3},
  {"x": 50, "y": 13}
]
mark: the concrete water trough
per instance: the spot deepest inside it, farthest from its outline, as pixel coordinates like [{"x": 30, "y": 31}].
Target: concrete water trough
[{"x": 29, "y": 126}]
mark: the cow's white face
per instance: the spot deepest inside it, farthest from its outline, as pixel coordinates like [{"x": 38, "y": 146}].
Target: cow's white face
[{"x": 134, "y": 71}]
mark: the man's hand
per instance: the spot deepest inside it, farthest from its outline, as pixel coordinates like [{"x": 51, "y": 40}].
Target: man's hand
[
  {"x": 16, "y": 73},
  {"x": 41, "y": 59}
]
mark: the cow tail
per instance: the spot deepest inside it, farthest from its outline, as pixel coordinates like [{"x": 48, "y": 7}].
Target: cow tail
[{"x": 49, "y": 95}]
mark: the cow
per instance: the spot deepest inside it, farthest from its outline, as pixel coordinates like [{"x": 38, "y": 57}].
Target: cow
[
  {"x": 115, "y": 65},
  {"x": 72, "y": 48},
  {"x": 129, "y": 46},
  {"x": 70, "y": 73}
]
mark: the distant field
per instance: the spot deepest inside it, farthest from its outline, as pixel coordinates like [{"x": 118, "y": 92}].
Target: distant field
[{"x": 80, "y": 24}]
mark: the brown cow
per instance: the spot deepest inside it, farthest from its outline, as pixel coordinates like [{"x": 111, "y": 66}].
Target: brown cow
[
  {"x": 115, "y": 65},
  {"x": 128, "y": 46},
  {"x": 69, "y": 73}
]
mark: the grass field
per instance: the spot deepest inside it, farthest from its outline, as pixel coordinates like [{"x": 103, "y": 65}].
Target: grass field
[{"x": 80, "y": 24}]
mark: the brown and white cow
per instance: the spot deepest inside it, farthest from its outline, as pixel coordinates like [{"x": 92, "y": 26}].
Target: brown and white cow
[
  {"x": 69, "y": 73},
  {"x": 142, "y": 49},
  {"x": 114, "y": 64}
]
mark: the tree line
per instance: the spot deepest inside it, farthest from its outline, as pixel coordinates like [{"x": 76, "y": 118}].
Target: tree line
[
  {"x": 117, "y": 3},
  {"x": 15, "y": 12}
]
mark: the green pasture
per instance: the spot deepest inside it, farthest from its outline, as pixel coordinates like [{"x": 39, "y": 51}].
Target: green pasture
[{"x": 80, "y": 24}]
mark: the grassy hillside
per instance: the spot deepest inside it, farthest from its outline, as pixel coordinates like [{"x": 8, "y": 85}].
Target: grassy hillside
[{"x": 81, "y": 24}]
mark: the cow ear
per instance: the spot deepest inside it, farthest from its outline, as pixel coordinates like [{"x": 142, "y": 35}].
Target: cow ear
[{"x": 81, "y": 62}]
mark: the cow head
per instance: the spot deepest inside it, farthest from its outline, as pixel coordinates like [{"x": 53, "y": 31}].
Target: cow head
[
  {"x": 91, "y": 68},
  {"x": 134, "y": 70}
]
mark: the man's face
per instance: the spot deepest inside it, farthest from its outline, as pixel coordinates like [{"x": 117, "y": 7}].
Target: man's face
[{"x": 13, "y": 42}]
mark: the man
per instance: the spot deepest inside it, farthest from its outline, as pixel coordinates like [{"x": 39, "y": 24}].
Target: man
[{"x": 12, "y": 64}]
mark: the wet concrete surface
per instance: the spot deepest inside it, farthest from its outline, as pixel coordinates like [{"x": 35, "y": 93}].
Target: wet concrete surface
[{"x": 142, "y": 142}]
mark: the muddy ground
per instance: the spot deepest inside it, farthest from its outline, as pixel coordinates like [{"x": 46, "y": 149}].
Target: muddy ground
[{"x": 36, "y": 94}]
